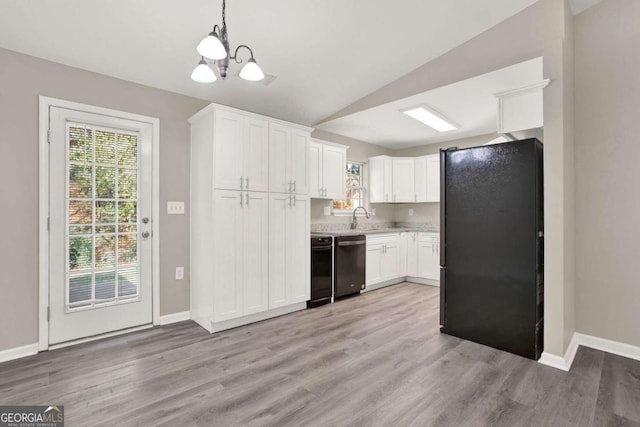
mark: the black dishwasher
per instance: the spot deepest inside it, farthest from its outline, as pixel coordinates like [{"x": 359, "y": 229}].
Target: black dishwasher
[
  {"x": 321, "y": 271},
  {"x": 349, "y": 264}
]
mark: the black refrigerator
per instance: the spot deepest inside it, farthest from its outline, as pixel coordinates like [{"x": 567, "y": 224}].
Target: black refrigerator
[{"x": 492, "y": 231}]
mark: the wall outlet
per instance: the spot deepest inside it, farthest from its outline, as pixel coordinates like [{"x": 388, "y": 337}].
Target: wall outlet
[
  {"x": 179, "y": 273},
  {"x": 175, "y": 208},
  {"x": 373, "y": 211},
  {"x": 410, "y": 212},
  {"x": 327, "y": 210}
]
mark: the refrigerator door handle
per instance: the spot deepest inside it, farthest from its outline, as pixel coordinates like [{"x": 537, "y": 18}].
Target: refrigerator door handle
[
  {"x": 443, "y": 296},
  {"x": 443, "y": 210}
]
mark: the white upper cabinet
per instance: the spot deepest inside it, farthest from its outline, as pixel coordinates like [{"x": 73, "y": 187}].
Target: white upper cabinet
[
  {"x": 241, "y": 146},
  {"x": 256, "y": 154},
  {"x": 288, "y": 159},
  {"x": 228, "y": 151},
  {"x": 420, "y": 179},
  {"x": 380, "y": 179},
  {"x": 327, "y": 165},
  {"x": 433, "y": 178},
  {"x": 316, "y": 189},
  {"x": 403, "y": 180}
]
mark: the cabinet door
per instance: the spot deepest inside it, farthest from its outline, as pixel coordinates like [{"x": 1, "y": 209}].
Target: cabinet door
[
  {"x": 379, "y": 179},
  {"x": 412, "y": 254},
  {"x": 433, "y": 178},
  {"x": 403, "y": 241},
  {"x": 403, "y": 180},
  {"x": 427, "y": 261},
  {"x": 373, "y": 264},
  {"x": 227, "y": 254},
  {"x": 334, "y": 164},
  {"x": 316, "y": 189},
  {"x": 299, "y": 161},
  {"x": 255, "y": 252},
  {"x": 279, "y": 206},
  {"x": 298, "y": 250},
  {"x": 228, "y": 150},
  {"x": 420, "y": 179},
  {"x": 279, "y": 158},
  {"x": 391, "y": 261},
  {"x": 388, "y": 179},
  {"x": 256, "y": 154}
]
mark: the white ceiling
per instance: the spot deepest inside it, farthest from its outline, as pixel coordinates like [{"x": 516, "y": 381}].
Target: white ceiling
[
  {"x": 326, "y": 53},
  {"x": 470, "y": 103}
]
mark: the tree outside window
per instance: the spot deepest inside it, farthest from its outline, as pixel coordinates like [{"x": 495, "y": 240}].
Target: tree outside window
[{"x": 354, "y": 181}]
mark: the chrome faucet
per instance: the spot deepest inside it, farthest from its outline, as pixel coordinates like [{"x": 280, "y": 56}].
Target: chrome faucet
[{"x": 354, "y": 223}]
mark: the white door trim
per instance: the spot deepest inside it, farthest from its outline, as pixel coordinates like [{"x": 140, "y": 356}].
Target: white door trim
[{"x": 43, "y": 198}]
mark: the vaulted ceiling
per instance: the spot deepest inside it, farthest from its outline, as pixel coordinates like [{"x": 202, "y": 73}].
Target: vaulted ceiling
[{"x": 326, "y": 54}]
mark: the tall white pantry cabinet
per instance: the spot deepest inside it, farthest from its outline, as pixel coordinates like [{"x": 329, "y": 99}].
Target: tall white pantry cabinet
[{"x": 250, "y": 252}]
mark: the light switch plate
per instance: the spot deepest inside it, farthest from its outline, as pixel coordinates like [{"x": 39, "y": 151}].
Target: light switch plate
[
  {"x": 179, "y": 273},
  {"x": 410, "y": 212},
  {"x": 175, "y": 208},
  {"x": 327, "y": 210}
]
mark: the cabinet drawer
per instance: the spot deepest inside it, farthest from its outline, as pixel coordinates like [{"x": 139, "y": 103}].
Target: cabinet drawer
[
  {"x": 429, "y": 237},
  {"x": 377, "y": 239}
]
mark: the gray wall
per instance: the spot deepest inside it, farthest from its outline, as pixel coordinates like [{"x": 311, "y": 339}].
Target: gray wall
[
  {"x": 607, "y": 66},
  {"x": 23, "y": 79}
]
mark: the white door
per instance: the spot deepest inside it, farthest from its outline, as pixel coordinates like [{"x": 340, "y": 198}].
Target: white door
[
  {"x": 334, "y": 164},
  {"x": 279, "y": 206},
  {"x": 403, "y": 180},
  {"x": 316, "y": 189},
  {"x": 255, "y": 248},
  {"x": 299, "y": 258},
  {"x": 279, "y": 158},
  {"x": 421, "y": 179},
  {"x": 100, "y": 203},
  {"x": 299, "y": 161},
  {"x": 228, "y": 151},
  {"x": 256, "y": 154},
  {"x": 228, "y": 223},
  {"x": 433, "y": 178}
]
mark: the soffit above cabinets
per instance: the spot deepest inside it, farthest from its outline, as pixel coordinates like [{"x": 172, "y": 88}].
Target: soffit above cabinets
[
  {"x": 327, "y": 54},
  {"x": 471, "y": 104}
]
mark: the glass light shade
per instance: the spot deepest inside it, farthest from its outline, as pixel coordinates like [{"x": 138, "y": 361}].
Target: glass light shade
[
  {"x": 251, "y": 71},
  {"x": 203, "y": 74},
  {"x": 212, "y": 47}
]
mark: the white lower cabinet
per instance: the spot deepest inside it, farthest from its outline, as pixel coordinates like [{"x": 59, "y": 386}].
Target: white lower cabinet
[
  {"x": 428, "y": 256},
  {"x": 240, "y": 253},
  {"x": 289, "y": 250},
  {"x": 395, "y": 256}
]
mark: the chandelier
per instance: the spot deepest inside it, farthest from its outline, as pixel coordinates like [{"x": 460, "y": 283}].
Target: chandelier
[{"x": 214, "y": 50}]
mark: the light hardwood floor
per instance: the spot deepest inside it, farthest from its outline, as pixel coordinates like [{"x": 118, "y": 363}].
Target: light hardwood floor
[{"x": 374, "y": 360}]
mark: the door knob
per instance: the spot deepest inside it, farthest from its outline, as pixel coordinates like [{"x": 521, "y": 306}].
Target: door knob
[
  {"x": 145, "y": 220},
  {"x": 145, "y": 234}
]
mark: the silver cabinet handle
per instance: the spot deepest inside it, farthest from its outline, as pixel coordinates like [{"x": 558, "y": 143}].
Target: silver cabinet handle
[
  {"x": 241, "y": 183},
  {"x": 294, "y": 200},
  {"x": 145, "y": 234},
  {"x": 247, "y": 183},
  {"x": 321, "y": 191},
  {"x": 290, "y": 200},
  {"x": 241, "y": 200},
  {"x": 294, "y": 186},
  {"x": 290, "y": 183},
  {"x": 247, "y": 199},
  {"x": 325, "y": 192}
]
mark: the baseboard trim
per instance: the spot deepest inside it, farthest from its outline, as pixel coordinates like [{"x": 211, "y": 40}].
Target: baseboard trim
[
  {"x": 421, "y": 281},
  {"x": 257, "y": 317},
  {"x": 18, "y": 352},
  {"x": 614, "y": 347},
  {"x": 168, "y": 319}
]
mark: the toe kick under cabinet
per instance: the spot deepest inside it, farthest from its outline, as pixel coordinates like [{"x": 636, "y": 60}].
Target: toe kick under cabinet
[{"x": 250, "y": 253}]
